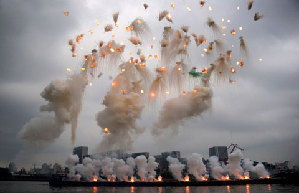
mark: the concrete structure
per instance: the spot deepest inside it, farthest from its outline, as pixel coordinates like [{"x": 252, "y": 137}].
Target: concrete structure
[
  {"x": 81, "y": 152},
  {"x": 220, "y": 152},
  {"x": 118, "y": 154}
]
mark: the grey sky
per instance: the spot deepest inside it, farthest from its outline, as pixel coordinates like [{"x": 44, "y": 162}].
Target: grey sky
[{"x": 261, "y": 110}]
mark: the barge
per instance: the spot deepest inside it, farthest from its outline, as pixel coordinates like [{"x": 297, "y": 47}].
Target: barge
[{"x": 59, "y": 182}]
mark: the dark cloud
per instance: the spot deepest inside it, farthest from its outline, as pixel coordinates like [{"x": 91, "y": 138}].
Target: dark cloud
[{"x": 260, "y": 112}]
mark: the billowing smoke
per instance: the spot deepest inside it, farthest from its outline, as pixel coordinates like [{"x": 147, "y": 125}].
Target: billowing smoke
[
  {"x": 234, "y": 160},
  {"x": 131, "y": 162},
  {"x": 70, "y": 163},
  {"x": 216, "y": 169},
  {"x": 119, "y": 117},
  {"x": 175, "y": 167},
  {"x": 247, "y": 165},
  {"x": 107, "y": 167},
  {"x": 152, "y": 166},
  {"x": 260, "y": 170},
  {"x": 196, "y": 166},
  {"x": 65, "y": 100},
  {"x": 142, "y": 167},
  {"x": 121, "y": 169},
  {"x": 191, "y": 104}
]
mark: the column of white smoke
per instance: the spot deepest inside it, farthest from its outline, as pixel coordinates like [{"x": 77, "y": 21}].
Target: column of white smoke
[
  {"x": 142, "y": 167},
  {"x": 120, "y": 117},
  {"x": 152, "y": 166},
  {"x": 121, "y": 169},
  {"x": 131, "y": 162},
  {"x": 234, "y": 161},
  {"x": 65, "y": 100},
  {"x": 70, "y": 163},
  {"x": 175, "y": 167},
  {"x": 195, "y": 166},
  {"x": 260, "y": 170},
  {"x": 216, "y": 169},
  {"x": 107, "y": 167}
]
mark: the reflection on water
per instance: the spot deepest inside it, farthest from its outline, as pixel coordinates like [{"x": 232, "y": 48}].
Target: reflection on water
[
  {"x": 43, "y": 187},
  {"x": 269, "y": 187},
  {"x": 247, "y": 188},
  {"x": 95, "y": 189},
  {"x": 187, "y": 189},
  {"x": 228, "y": 189}
]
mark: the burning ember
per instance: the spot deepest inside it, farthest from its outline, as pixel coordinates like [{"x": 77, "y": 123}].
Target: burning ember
[
  {"x": 186, "y": 179},
  {"x": 106, "y": 130},
  {"x": 160, "y": 179}
]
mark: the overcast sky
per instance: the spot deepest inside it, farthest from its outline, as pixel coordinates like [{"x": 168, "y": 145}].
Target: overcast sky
[{"x": 260, "y": 112}]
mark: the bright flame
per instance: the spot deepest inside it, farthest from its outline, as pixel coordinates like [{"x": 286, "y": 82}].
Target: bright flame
[
  {"x": 233, "y": 70},
  {"x": 186, "y": 178},
  {"x": 95, "y": 179},
  {"x": 210, "y": 8},
  {"x": 188, "y": 9},
  {"x": 194, "y": 91},
  {"x": 68, "y": 69},
  {"x": 141, "y": 91},
  {"x": 90, "y": 84},
  {"x": 123, "y": 91},
  {"x": 233, "y": 32},
  {"x": 260, "y": 59},
  {"x": 225, "y": 177},
  {"x": 113, "y": 84},
  {"x": 172, "y": 5},
  {"x": 160, "y": 178},
  {"x": 129, "y": 28},
  {"x": 106, "y": 130},
  {"x": 123, "y": 70},
  {"x": 139, "y": 21},
  {"x": 112, "y": 50},
  {"x": 204, "y": 178},
  {"x": 132, "y": 179},
  {"x": 223, "y": 27},
  {"x": 238, "y": 8},
  {"x": 66, "y": 13},
  {"x": 240, "y": 28},
  {"x": 83, "y": 69},
  {"x": 156, "y": 56},
  {"x": 152, "y": 94}
]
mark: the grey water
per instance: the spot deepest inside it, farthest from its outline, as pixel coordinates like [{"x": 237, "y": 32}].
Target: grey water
[{"x": 43, "y": 187}]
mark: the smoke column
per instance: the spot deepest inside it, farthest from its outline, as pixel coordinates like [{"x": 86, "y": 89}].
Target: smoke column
[
  {"x": 195, "y": 166},
  {"x": 152, "y": 166},
  {"x": 141, "y": 167},
  {"x": 175, "y": 167},
  {"x": 216, "y": 169},
  {"x": 65, "y": 100},
  {"x": 119, "y": 117},
  {"x": 233, "y": 166}
]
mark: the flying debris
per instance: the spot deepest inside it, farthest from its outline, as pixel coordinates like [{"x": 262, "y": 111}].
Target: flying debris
[
  {"x": 202, "y": 3},
  {"x": 135, "y": 41},
  {"x": 163, "y": 14},
  {"x": 250, "y": 3},
  {"x": 185, "y": 28},
  {"x": 145, "y": 5},
  {"x": 257, "y": 16},
  {"x": 212, "y": 24},
  {"x": 115, "y": 17},
  {"x": 108, "y": 28}
]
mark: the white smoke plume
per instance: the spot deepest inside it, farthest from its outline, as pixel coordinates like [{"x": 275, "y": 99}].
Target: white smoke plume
[
  {"x": 175, "y": 167},
  {"x": 234, "y": 160},
  {"x": 65, "y": 100},
  {"x": 216, "y": 169},
  {"x": 247, "y": 165},
  {"x": 260, "y": 170},
  {"x": 142, "y": 167},
  {"x": 119, "y": 117},
  {"x": 107, "y": 167},
  {"x": 70, "y": 163},
  {"x": 121, "y": 169},
  {"x": 131, "y": 162},
  {"x": 152, "y": 166},
  {"x": 196, "y": 166}
]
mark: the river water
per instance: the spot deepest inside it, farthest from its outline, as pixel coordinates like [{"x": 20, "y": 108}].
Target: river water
[{"x": 43, "y": 187}]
